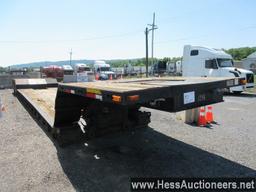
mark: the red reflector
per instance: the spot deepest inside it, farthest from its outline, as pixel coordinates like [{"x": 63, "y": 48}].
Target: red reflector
[
  {"x": 67, "y": 91},
  {"x": 90, "y": 95},
  {"x": 133, "y": 97}
]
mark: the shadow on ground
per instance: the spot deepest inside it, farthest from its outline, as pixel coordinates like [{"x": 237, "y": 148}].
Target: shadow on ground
[
  {"x": 245, "y": 94},
  {"x": 107, "y": 165}
]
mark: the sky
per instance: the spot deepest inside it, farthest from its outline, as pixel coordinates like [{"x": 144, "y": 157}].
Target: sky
[{"x": 46, "y": 30}]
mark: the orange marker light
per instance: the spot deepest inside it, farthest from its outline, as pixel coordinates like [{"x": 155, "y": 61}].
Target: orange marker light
[
  {"x": 133, "y": 97},
  {"x": 116, "y": 98},
  {"x": 243, "y": 81}
]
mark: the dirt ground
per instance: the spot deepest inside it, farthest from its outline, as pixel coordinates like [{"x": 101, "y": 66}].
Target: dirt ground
[{"x": 31, "y": 161}]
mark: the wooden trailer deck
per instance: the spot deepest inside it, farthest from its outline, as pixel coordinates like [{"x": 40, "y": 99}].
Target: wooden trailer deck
[
  {"x": 150, "y": 89},
  {"x": 43, "y": 100},
  {"x": 127, "y": 85}
]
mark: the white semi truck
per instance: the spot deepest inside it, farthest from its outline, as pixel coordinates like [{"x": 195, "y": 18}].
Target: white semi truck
[
  {"x": 103, "y": 70},
  {"x": 164, "y": 67},
  {"x": 207, "y": 62},
  {"x": 81, "y": 73}
]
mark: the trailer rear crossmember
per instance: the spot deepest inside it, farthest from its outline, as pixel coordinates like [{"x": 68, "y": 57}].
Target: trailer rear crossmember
[{"x": 106, "y": 106}]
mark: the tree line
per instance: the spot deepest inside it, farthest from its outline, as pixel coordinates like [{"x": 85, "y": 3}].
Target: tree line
[
  {"x": 237, "y": 54},
  {"x": 140, "y": 61},
  {"x": 240, "y": 53}
]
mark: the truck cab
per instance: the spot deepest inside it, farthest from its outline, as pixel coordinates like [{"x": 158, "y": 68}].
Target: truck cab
[
  {"x": 68, "y": 70},
  {"x": 83, "y": 73},
  {"x": 208, "y": 62},
  {"x": 53, "y": 71},
  {"x": 82, "y": 68},
  {"x": 159, "y": 68},
  {"x": 129, "y": 70},
  {"x": 103, "y": 70}
]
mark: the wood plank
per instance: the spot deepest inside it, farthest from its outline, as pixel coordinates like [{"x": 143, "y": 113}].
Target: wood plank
[
  {"x": 141, "y": 84},
  {"x": 43, "y": 100}
]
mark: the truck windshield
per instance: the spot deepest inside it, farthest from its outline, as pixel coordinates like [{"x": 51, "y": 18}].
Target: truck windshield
[
  {"x": 82, "y": 69},
  {"x": 105, "y": 69},
  {"x": 225, "y": 62}
]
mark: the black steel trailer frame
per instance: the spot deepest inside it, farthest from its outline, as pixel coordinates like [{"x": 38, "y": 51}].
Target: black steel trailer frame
[{"x": 105, "y": 110}]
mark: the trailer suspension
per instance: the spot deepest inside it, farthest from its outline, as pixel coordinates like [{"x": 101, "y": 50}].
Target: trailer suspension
[{"x": 102, "y": 118}]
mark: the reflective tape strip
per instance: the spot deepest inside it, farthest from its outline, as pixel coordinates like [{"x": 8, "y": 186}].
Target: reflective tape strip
[
  {"x": 69, "y": 91},
  {"x": 90, "y": 95},
  {"x": 93, "y": 96},
  {"x": 99, "y": 97},
  {"x": 95, "y": 91}
]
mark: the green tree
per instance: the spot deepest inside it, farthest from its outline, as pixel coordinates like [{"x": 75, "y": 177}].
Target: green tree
[{"x": 240, "y": 53}]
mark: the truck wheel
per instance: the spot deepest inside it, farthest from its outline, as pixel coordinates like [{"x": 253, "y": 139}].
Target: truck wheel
[{"x": 237, "y": 92}]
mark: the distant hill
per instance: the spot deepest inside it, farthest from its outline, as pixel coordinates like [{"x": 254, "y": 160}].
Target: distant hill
[
  {"x": 47, "y": 63},
  {"x": 113, "y": 63}
]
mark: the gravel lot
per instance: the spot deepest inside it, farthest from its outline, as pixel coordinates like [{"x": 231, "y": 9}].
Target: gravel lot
[{"x": 31, "y": 161}]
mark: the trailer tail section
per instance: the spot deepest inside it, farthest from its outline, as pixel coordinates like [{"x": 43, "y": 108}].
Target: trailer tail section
[{"x": 98, "y": 108}]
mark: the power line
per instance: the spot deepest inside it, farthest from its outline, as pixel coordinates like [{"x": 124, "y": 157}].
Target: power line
[
  {"x": 180, "y": 39},
  {"x": 72, "y": 40},
  {"x": 202, "y": 36}
]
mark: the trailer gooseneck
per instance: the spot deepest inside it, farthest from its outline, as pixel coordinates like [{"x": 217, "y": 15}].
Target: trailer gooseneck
[{"x": 107, "y": 106}]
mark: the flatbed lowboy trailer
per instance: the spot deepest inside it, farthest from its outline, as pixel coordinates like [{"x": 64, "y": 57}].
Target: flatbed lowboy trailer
[{"x": 93, "y": 109}]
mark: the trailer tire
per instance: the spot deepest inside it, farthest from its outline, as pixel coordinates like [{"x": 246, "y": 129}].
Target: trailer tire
[{"x": 237, "y": 92}]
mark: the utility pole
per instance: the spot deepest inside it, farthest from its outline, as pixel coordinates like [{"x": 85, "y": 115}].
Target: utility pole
[
  {"x": 153, "y": 28},
  {"x": 146, "y": 34},
  {"x": 70, "y": 57}
]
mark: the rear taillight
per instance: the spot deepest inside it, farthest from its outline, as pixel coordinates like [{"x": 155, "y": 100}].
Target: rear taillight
[
  {"x": 133, "y": 97},
  {"x": 116, "y": 98}
]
